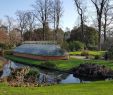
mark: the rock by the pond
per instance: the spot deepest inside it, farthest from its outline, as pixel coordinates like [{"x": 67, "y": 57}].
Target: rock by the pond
[{"x": 92, "y": 71}]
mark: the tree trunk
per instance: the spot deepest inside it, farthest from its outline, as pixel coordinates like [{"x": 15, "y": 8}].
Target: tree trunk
[
  {"x": 105, "y": 29},
  {"x": 99, "y": 30}
]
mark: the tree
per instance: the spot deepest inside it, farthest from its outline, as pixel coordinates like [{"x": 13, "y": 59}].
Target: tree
[
  {"x": 22, "y": 21},
  {"x": 90, "y": 35},
  {"x": 99, "y": 5},
  {"x": 42, "y": 11},
  {"x": 81, "y": 11},
  {"x": 107, "y": 19},
  {"x": 9, "y": 21},
  {"x": 30, "y": 18},
  {"x": 56, "y": 15},
  {"x": 30, "y": 24}
]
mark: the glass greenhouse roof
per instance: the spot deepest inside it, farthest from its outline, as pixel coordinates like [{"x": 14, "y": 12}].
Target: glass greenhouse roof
[{"x": 40, "y": 49}]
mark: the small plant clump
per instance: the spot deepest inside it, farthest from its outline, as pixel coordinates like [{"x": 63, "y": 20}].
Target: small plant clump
[{"x": 23, "y": 77}]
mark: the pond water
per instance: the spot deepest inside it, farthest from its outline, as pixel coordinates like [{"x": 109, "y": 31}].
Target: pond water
[{"x": 52, "y": 75}]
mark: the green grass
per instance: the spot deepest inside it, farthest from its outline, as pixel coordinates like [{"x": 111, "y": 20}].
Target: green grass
[
  {"x": 95, "y": 88},
  {"x": 92, "y": 53},
  {"x": 62, "y": 65}
]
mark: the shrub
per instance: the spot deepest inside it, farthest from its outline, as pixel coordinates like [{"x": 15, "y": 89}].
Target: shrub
[
  {"x": 85, "y": 53},
  {"x": 76, "y": 45},
  {"x": 33, "y": 72},
  {"x": 97, "y": 56},
  {"x": 110, "y": 52}
]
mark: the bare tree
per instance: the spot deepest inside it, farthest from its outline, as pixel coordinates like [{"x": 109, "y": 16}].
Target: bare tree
[
  {"x": 22, "y": 21},
  {"x": 107, "y": 18},
  {"x": 81, "y": 12},
  {"x": 42, "y": 11},
  {"x": 30, "y": 20},
  {"x": 57, "y": 14},
  {"x": 9, "y": 21},
  {"x": 99, "y": 5}
]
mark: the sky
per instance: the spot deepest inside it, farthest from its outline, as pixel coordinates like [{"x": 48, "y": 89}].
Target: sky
[{"x": 9, "y": 7}]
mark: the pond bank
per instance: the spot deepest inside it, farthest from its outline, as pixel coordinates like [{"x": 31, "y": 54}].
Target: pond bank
[{"x": 59, "y": 65}]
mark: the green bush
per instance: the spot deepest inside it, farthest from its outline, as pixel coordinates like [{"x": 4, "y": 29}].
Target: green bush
[
  {"x": 85, "y": 53},
  {"x": 97, "y": 57},
  {"x": 76, "y": 45},
  {"x": 110, "y": 52},
  {"x": 33, "y": 72}
]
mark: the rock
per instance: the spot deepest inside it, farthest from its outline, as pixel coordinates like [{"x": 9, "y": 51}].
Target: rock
[{"x": 92, "y": 71}]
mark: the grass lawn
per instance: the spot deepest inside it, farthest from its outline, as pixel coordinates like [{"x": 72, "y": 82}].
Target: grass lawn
[
  {"x": 62, "y": 65},
  {"x": 92, "y": 53},
  {"x": 95, "y": 88}
]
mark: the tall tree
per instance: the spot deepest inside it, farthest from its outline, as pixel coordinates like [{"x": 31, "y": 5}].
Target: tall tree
[
  {"x": 81, "y": 12},
  {"x": 99, "y": 6},
  {"x": 30, "y": 18},
  {"x": 22, "y": 21},
  {"x": 30, "y": 21},
  {"x": 57, "y": 14},
  {"x": 42, "y": 11},
  {"x": 90, "y": 34},
  {"x": 9, "y": 21},
  {"x": 107, "y": 18}
]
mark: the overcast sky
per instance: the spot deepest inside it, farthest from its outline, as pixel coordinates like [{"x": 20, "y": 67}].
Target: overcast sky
[{"x": 9, "y": 7}]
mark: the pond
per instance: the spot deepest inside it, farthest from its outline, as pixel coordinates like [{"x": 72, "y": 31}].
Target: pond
[{"x": 52, "y": 75}]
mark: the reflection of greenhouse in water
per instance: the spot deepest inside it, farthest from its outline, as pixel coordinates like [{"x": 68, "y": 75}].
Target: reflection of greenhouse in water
[{"x": 40, "y": 50}]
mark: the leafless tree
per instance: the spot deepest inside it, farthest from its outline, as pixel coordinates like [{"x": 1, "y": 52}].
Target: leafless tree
[
  {"x": 42, "y": 11},
  {"x": 30, "y": 20},
  {"x": 107, "y": 18},
  {"x": 22, "y": 21},
  {"x": 9, "y": 22},
  {"x": 99, "y": 6},
  {"x": 57, "y": 14},
  {"x": 81, "y": 12}
]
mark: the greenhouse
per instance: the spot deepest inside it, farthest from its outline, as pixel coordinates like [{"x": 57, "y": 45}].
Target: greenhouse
[{"x": 40, "y": 50}]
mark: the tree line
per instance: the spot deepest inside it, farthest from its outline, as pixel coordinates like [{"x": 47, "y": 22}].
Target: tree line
[
  {"x": 104, "y": 17},
  {"x": 43, "y": 22}
]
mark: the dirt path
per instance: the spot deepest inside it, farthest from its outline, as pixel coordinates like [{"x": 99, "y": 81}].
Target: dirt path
[{"x": 79, "y": 57}]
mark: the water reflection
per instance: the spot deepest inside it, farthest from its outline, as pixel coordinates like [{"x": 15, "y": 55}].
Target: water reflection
[{"x": 46, "y": 76}]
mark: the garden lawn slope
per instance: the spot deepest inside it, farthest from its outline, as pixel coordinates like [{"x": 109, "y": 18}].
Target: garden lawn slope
[
  {"x": 96, "y": 88},
  {"x": 91, "y": 53},
  {"x": 61, "y": 65}
]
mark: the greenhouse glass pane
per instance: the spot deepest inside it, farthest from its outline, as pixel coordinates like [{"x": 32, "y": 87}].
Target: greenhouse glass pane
[{"x": 40, "y": 49}]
